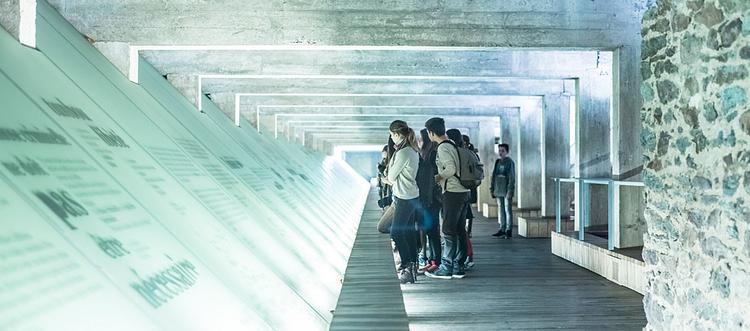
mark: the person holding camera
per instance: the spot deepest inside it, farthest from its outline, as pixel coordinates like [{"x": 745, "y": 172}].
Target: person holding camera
[{"x": 386, "y": 193}]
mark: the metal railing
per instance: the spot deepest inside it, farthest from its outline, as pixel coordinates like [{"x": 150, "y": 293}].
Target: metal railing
[{"x": 582, "y": 207}]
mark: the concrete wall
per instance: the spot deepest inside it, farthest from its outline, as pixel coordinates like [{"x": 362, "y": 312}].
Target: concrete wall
[
  {"x": 555, "y": 152},
  {"x": 696, "y": 137},
  {"x": 593, "y": 125},
  {"x": 529, "y": 162},
  {"x": 10, "y": 16}
]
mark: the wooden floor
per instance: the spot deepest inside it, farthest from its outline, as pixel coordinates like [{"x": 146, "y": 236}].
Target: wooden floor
[
  {"x": 517, "y": 284},
  {"x": 370, "y": 296}
]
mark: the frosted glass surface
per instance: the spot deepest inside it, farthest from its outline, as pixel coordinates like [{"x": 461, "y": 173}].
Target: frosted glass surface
[
  {"x": 152, "y": 214},
  {"x": 104, "y": 221}
]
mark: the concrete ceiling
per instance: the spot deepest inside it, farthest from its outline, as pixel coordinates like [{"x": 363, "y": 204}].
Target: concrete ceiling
[{"x": 464, "y": 58}]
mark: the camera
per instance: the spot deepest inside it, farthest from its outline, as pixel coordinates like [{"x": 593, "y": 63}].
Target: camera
[{"x": 385, "y": 202}]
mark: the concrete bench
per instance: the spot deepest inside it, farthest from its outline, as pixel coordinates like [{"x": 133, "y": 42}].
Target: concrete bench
[{"x": 541, "y": 227}]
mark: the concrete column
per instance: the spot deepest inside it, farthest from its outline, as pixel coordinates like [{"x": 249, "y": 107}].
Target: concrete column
[
  {"x": 118, "y": 53},
  {"x": 555, "y": 150},
  {"x": 528, "y": 164},
  {"x": 18, "y": 17},
  {"x": 510, "y": 134},
  {"x": 593, "y": 152},
  {"x": 309, "y": 140},
  {"x": 188, "y": 85},
  {"x": 627, "y": 151},
  {"x": 485, "y": 143}
]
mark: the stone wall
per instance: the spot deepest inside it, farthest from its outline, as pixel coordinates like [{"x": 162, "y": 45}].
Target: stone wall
[{"x": 696, "y": 138}]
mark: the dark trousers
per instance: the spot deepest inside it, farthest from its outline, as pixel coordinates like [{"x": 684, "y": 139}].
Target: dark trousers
[
  {"x": 403, "y": 230},
  {"x": 428, "y": 222},
  {"x": 454, "y": 230}
]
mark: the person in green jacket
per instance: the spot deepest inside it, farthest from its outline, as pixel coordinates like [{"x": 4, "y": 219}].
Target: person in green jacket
[{"x": 502, "y": 188}]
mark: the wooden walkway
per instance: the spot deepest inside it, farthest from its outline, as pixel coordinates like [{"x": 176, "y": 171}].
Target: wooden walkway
[
  {"x": 370, "y": 296},
  {"x": 517, "y": 284}
]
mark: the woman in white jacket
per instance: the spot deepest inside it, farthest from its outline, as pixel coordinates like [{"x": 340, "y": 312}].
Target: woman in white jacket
[{"x": 402, "y": 174}]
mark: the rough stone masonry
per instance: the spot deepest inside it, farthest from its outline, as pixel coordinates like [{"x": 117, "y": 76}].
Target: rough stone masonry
[{"x": 696, "y": 138}]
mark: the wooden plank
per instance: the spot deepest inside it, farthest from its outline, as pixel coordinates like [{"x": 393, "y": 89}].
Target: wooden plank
[
  {"x": 517, "y": 284},
  {"x": 370, "y": 296}
]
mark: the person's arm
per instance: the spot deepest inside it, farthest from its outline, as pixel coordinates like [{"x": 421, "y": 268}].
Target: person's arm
[
  {"x": 511, "y": 179},
  {"x": 492, "y": 179},
  {"x": 446, "y": 163},
  {"x": 399, "y": 163}
]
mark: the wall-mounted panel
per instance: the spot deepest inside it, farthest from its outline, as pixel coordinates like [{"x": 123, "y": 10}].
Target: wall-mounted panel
[{"x": 164, "y": 217}]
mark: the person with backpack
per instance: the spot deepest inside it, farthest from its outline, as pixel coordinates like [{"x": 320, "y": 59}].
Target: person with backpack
[
  {"x": 473, "y": 196},
  {"x": 502, "y": 188},
  {"x": 468, "y": 261},
  {"x": 402, "y": 173},
  {"x": 428, "y": 217},
  {"x": 455, "y": 196}
]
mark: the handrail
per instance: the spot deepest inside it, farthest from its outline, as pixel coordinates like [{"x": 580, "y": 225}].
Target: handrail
[{"x": 583, "y": 208}]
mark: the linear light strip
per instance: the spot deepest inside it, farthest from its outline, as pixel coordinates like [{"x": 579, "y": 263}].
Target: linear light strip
[{"x": 380, "y": 77}]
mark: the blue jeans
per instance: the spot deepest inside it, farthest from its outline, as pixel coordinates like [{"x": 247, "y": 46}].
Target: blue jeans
[
  {"x": 505, "y": 213},
  {"x": 454, "y": 230}
]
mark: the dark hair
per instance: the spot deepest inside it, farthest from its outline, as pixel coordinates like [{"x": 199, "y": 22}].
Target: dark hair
[
  {"x": 427, "y": 145},
  {"x": 436, "y": 125},
  {"x": 400, "y": 127},
  {"x": 467, "y": 143},
  {"x": 506, "y": 146},
  {"x": 455, "y": 135},
  {"x": 390, "y": 150}
]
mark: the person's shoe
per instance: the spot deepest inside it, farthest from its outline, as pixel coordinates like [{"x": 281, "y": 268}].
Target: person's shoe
[
  {"x": 509, "y": 234},
  {"x": 405, "y": 276},
  {"x": 414, "y": 273},
  {"x": 440, "y": 273},
  {"x": 469, "y": 264},
  {"x": 498, "y": 233},
  {"x": 423, "y": 261},
  {"x": 459, "y": 274},
  {"x": 423, "y": 268},
  {"x": 433, "y": 266}
]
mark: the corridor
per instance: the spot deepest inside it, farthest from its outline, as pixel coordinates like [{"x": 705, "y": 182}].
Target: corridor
[{"x": 217, "y": 165}]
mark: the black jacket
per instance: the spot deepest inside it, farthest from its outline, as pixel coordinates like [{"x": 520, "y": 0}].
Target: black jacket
[{"x": 429, "y": 192}]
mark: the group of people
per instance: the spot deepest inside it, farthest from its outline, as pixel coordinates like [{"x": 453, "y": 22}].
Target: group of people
[{"x": 424, "y": 196}]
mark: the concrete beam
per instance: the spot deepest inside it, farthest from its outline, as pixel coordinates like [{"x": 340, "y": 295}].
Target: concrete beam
[
  {"x": 556, "y": 23},
  {"x": 410, "y": 61},
  {"x": 382, "y": 85}
]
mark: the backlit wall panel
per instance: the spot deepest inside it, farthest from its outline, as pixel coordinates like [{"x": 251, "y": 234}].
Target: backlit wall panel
[{"x": 135, "y": 207}]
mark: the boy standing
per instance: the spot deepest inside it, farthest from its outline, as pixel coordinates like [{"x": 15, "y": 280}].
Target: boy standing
[{"x": 502, "y": 188}]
